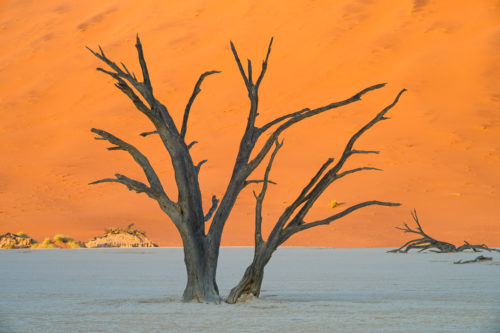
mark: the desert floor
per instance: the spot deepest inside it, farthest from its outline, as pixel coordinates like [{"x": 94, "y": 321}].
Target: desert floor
[{"x": 304, "y": 290}]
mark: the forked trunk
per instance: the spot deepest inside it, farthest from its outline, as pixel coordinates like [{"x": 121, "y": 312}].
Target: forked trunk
[
  {"x": 251, "y": 283},
  {"x": 201, "y": 265},
  {"x": 201, "y": 249}
]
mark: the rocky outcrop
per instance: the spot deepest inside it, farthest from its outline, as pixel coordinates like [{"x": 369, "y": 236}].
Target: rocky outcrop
[
  {"x": 120, "y": 237},
  {"x": 16, "y": 241},
  {"x": 59, "y": 242}
]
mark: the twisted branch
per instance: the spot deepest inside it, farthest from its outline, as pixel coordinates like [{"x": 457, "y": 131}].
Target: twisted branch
[
  {"x": 260, "y": 198},
  {"x": 132, "y": 185},
  {"x": 427, "y": 242},
  {"x": 196, "y": 91},
  {"x": 155, "y": 190},
  {"x": 327, "y": 179},
  {"x": 156, "y": 112},
  {"x": 301, "y": 115}
]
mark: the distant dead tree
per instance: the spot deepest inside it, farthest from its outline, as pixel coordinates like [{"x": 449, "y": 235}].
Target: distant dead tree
[
  {"x": 201, "y": 239},
  {"x": 293, "y": 218},
  {"x": 426, "y": 242}
]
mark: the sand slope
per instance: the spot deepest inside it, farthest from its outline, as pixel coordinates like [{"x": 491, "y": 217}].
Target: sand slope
[{"x": 440, "y": 151}]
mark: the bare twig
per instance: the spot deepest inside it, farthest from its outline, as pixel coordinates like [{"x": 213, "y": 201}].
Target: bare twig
[
  {"x": 258, "y": 181},
  {"x": 196, "y": 91},
  {"x": 144, "y": 134},
  {"x": 191, "y": 144}
]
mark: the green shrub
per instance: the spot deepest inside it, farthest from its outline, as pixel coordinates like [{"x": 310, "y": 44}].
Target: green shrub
[
  {"x": 75, "y": 245},
  {"x": 46, "y": 244},
  {"x": 62, "y": 238}
]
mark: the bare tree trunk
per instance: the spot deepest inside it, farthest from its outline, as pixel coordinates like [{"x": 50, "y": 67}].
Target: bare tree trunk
[
  {"x": 251, "y": 282},
  {"x": 201, "y": 267},
  {"x": 292, "y": 220}
]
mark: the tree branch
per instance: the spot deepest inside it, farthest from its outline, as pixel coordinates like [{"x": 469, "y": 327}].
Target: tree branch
[
  {"x": 191, "y": 144},
  {"x": 301, "y": 115},
  {"x": 156, "y": 187},
  {"x": 156, "y": 112},
  {"x": 313, "y": 181},
  {"x": 258, "y": 181},
  {"x": 129, "y": 92},
  {"x": 144, "y": 134},
  {"x": 332, "y": 174},
  {"x": 249, "y": 70},
  {"x": 125, "y": 75},
  {"x": 298, "y": 201},
  {"x": 342, "y": 174},
  {"x": 354, "y": 151},
  {"x": 196, "y": 91},
  {"x": 260, "y": 198},
  {"x": 264, "y": 64},
  {"x": 280, "y": 119},
  {"x": 148, "y": 92},
  {"x": 212, "y": 209},
  {"x": 132, "y": 185},
  {"x": 292, "y": 229},
  {"x": 198, "y": 166},
  {"x": 240, "y": 67}
]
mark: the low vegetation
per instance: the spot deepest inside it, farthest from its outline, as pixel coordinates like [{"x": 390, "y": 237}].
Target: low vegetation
[
  {"x": 113, "y": 237},
  {"x": 59, "y": 242},
  {"x": 127, "y": 230},
  {"x": 121, "y": 237}
]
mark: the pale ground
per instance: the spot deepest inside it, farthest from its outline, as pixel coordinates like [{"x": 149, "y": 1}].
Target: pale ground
[
  {"x": 439, "y": 151},
  {"x": 305, "y": 290}
]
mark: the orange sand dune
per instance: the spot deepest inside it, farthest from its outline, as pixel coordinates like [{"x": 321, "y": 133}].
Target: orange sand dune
[{"x": 440, "y": 151}]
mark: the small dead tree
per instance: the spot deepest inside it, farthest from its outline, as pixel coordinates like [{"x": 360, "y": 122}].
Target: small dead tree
[
  {"x": 201, "y": 232},
  {"x": 293, "y": 218},
  {"x": 426, "y": 242}
]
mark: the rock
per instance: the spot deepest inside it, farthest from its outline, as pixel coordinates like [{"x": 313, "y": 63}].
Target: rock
[
  {"x": 119, "y": 237},
  {"x": 16, "y": 241}
]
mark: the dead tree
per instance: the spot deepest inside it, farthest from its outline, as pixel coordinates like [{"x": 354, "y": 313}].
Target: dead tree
[
  {"x": 427, "y": 242},
  {"x": 201, "y": 237},
  {"x": 293, "y": 218}
]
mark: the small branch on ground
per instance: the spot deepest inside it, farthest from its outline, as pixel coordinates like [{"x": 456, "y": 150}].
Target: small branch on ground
[{"x": 478, "y": 259}]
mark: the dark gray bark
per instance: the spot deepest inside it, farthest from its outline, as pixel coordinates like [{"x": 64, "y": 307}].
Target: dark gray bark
[
  {"x": 187, "y": 213},
  {"x": 201, "y": 268},
  {"x": 251, "y": 282},
  {"x": 292, "y": 220},
  {"x": 201, "y": 244},
  {"x": 426, "y": 242},
  {"x": 478, "y": 259}
]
